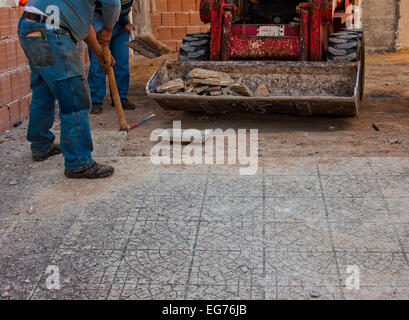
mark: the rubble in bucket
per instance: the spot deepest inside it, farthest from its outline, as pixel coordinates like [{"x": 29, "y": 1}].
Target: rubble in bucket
[{"x": 210, "y": 83}]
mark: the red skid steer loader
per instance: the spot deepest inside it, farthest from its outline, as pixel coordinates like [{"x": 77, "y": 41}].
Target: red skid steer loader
[{"x": 309, "y": 54}]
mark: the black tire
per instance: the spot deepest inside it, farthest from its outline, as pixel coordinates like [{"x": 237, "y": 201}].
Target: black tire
[
  {"x": 348, "y": 46},
  {"x": 344, "y": 46},
  {"x": 195, "y": 47}
]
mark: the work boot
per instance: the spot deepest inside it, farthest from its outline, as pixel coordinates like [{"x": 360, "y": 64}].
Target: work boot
[
  {"x": 56, "y": 149},
  {"x": 126, "y": 104},
  {"x": 96, "y": 108},
  {"x": 96, "y": 171}
]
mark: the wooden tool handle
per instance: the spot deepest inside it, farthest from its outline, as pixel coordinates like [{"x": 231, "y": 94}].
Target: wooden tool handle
[{"x": 114, "y": 92}]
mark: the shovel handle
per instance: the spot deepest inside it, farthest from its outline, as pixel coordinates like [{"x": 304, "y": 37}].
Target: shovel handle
[{"x": 114, "y": 92}]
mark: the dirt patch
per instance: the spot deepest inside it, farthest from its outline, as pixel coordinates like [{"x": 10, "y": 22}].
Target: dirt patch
[{"x": 386, "y": 103}]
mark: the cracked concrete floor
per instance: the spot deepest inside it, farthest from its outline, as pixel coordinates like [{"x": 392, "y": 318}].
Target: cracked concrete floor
[{"x": 204, "y": 232}]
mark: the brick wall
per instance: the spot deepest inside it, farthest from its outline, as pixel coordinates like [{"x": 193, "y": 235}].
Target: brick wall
[
  {"x": 171, "y": 20},
  {"x": 14, "y": 72}
]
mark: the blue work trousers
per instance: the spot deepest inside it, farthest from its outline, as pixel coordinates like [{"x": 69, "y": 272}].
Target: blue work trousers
[
  {"x": 120, "y": 52},
  {"x": 57, "y": 74}
]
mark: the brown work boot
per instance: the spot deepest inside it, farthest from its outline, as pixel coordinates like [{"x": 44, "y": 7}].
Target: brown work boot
[
  {"x": 96, "y": 171},
  {"x": 56, "y": 149}
]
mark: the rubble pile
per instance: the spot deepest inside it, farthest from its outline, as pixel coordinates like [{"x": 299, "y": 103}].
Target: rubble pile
[{"x": 210, "y": 83}]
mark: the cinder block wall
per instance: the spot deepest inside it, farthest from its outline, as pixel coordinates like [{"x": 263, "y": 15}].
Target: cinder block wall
[
  {"x": 386, "y": 24},
  {"x": 14, "y": 71},
  {"x": 171, "y": 20}
]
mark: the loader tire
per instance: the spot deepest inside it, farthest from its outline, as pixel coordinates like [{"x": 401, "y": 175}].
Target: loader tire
[
  {"x": 344, "y": 46},
  {"x": 195, "y": 47},
  {"x": 348, "y": 46}
]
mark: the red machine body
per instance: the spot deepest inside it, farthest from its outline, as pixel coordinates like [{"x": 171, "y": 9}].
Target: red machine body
[{"x": 304, "y": 40}]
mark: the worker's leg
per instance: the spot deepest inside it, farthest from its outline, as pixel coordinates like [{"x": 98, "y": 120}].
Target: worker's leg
[
  {"x": 54, "y": 56},
  {"x": 41, "y": 118},
  {"x": 76, "y": 142},
  {"x": 96, "y": 77},
  {"x": 120, "y": 52}
]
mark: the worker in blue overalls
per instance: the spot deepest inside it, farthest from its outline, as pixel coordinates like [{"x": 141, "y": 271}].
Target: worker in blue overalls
[
  {"x": 48, "y": 32},
  {"x": 120, "y": 52}
]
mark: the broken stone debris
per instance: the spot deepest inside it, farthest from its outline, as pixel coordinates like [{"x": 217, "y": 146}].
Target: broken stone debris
[
  {"x": 210, "y": 83},
  {"x": 241, "y": 89},
  {"x": 174, "y": 85},
  {"x": 262, "y": 91}
]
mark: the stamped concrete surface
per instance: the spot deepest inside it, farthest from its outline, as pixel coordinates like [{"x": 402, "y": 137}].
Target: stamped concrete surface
[
  {"x": 205, "y": 232},
  {"x": 328, "y": 210}
]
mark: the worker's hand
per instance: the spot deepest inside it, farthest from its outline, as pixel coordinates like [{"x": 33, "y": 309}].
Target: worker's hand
[
  {"x": 104, "y": 36},
  {"x": 129, "y": 27},
  {"x": 105, "y": 65}
]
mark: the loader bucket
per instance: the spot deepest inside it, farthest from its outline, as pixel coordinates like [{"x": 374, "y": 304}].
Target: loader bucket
[{"x": 306, "y": 88}]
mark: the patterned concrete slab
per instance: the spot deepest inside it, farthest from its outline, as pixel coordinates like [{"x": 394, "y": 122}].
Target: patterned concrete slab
[
  {"x": 289, "y": 232},
  {"x": 108, "y": 143}
]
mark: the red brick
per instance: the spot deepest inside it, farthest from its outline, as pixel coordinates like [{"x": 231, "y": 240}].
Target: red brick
[
  {"x": 14, "y": 110},
  {"x": 174, "y": 5},
  {"x": 5, "y": 89},
  {"x": 4, "y": 22},
  {"x": 11, "y": 54},
  {"x": 14, "y": 17},
  {"x": 182, "y": 19},
  {"x": 178, "y": 33},
  {"x": 3, "y": 56},
  {"x": 24, "y": 77},
  {"x": 172, "y": 44},
  {"x": 191, "y": 29},
  {"x": 156, "y": 20},
  {"x": 21, "y": 56},
  {"x": 15, "y": 84},
  {"x": 195, "y": 19},
  {"x": 4, "y": 119},
  {"x": 161, "y": 5},
  {"x": 204, "y": 28},
  {"x": 168, "y": 19},
  {"x": 188, "y": 5},
  {"x": 24, "y": 84},
  {"x": 165, "y": 33},
  {"x": 24, "y": 107}
]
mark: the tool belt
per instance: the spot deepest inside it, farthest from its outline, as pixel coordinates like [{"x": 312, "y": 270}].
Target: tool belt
[{"x": 43, "y": 19}]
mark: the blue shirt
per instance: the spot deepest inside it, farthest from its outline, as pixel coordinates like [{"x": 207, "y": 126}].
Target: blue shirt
[
  {"x": 126, "y": 6},
  {"x": 77, "y": 15}
]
